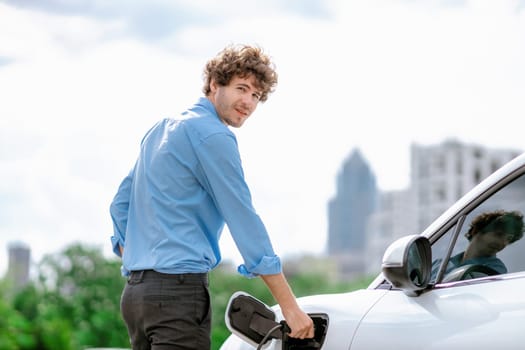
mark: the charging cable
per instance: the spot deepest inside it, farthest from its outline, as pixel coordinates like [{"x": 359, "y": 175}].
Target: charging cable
[{"x": 282, "y": 325}]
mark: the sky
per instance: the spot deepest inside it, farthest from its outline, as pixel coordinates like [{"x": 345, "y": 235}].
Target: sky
[{"x": 82, "y": 81}]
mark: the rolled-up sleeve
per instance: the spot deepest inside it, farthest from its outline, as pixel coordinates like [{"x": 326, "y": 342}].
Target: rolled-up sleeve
[{"x": 269, "y": 265}]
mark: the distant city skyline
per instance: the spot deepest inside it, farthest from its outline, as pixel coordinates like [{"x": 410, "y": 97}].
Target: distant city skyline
[{"x": 363, "y": 220}]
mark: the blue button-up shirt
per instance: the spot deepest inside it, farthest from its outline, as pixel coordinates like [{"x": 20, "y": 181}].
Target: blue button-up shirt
[{"x": 169, "y": 212}]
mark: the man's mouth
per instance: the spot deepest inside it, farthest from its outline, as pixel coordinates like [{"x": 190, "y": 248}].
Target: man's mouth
[
  {"x": 242, "y": 112},
  {"x": 496, "y": 247}
]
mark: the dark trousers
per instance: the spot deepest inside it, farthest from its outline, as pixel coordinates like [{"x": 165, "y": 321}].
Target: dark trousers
[{"x": 166, "y": 311}]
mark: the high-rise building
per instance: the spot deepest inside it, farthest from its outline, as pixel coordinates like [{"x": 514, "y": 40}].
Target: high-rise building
[
  {"x": 348, "y": 212},
  {"x": 394, "y": 218},
  {"x": 18, "y": 264},
  {"x": 354, "y": 201},
  {"x": 443, "y": 173}
]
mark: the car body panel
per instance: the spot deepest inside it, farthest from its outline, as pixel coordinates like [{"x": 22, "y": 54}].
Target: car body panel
[{"x": 452, "y": 318}]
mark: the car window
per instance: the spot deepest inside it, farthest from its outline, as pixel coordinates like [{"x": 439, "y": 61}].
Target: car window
[{"x": 486, "y": 241}]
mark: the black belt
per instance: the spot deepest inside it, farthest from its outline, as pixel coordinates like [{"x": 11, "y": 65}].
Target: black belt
[{"x": 189, "y": 277}]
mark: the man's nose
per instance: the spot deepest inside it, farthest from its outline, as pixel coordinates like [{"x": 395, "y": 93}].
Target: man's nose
[{"x": 248, "y": 101}]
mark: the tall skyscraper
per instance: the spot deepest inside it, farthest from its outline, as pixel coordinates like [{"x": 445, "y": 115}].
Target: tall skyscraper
[
  {"x": 18, "y": 264},
  {"x": 354, "y": 201}
]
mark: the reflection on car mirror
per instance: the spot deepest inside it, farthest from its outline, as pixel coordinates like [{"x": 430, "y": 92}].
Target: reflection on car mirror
[{"x": 407, "y": 264}]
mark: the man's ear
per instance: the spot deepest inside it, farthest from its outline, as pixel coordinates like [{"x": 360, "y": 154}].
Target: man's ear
[{"x": 213, "y": 85}]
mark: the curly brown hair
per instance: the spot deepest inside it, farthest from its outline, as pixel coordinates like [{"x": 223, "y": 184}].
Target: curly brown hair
[
  {"x": 510, "y": 222},
  {"x": 241, "y": 61}
]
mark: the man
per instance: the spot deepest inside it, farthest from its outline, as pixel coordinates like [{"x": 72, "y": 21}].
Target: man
[
  {"x": 169, "y": 212},
  {"x": 488, "y": 234}
]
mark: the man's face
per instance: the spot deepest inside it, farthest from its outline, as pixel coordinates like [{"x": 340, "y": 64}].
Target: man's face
[
  {"x": 236, "y": 101},
  {"x": 491, "y": 242}
]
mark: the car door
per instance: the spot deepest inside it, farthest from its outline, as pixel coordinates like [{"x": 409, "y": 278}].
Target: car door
[
  {"x": 476, "y": 314},
  {"x": 462, "y": 311}
]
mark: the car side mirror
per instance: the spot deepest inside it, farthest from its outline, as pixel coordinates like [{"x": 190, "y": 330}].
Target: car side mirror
[{"x": 407, "y": 264}]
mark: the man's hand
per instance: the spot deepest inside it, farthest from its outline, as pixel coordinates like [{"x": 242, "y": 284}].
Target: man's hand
[{"x": 301, "y": 325}]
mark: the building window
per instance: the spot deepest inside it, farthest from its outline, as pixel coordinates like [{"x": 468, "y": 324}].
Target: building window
[
  {"x": 478, "y": 153},
  {"x": 441, "y": 194},
  {"x": 477, "y": 176},
  {"x": 494, "y": 166}
]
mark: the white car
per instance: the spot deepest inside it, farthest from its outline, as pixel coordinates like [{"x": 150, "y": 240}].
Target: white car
[{"x": 417, "y": 301}]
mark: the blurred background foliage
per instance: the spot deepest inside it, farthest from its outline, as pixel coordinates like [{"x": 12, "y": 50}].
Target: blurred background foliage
[{"x": 73, "y": 301}]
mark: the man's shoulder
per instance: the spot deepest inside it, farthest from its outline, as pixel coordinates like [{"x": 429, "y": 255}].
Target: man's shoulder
[{"x": 205, "y": 125}]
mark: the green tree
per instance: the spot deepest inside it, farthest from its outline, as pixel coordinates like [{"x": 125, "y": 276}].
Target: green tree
[
  {"x": 81, "y": 300},
  {"x": 26, "y": 302},
  {"x": 75, "y": 302},
  {"x": 15, "y": 329}
]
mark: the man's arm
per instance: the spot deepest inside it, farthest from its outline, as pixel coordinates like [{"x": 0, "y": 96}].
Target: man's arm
[
  {"x": 119, "y": 214},
  {"x": 300, "y": 323}
]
